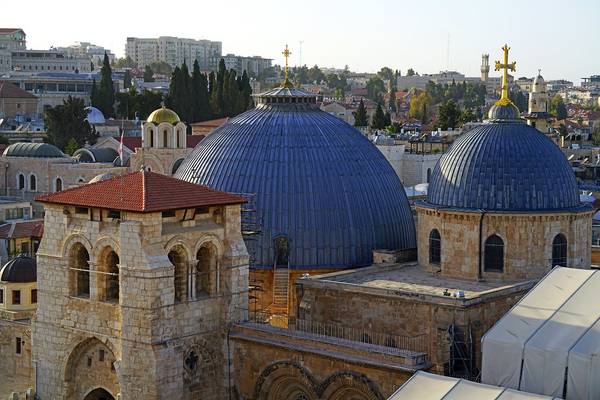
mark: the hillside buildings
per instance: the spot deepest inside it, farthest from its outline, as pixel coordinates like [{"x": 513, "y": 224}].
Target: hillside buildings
[
  {"x": 174, "y": 51},
  {"x": 254, "y": 65}
]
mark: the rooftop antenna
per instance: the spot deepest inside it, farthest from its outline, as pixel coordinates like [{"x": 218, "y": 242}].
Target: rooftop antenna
[{"x": 300, "y": 53}]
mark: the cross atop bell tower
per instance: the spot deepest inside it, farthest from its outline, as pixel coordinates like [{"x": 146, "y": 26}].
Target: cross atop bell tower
[
  {"x": 286, "y": 53},
  {"x": 504, "y": 100}
]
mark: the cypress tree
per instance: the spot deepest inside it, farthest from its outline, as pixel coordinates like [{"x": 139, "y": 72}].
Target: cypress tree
[
  {"x": 201, "y": 108},
  {"x": 106, "y": 90},
  {"x": 185, "y": 98},
  {"x": 246, "y": 92},
  {"x": 360, "y": 115},
  {"x": 212, "y": 95},
  {"x": 378, "y": 121},
  {"x": 94, "y": 94}
]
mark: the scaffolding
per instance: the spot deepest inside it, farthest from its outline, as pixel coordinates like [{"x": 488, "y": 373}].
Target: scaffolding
[{"x": 461, "y": 360}]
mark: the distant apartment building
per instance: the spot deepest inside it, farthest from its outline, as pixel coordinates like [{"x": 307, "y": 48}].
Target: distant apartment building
[
  {"x": 12, "y": 39},
  {"x": 174, "y": 51},
  {"x": 48, "y": 60},
  {"x": 559, "y": 84},
  {"x": 87, "y": 50},
  {"x": 254, "y": 65},
  {"x": 593, "y": 82}
]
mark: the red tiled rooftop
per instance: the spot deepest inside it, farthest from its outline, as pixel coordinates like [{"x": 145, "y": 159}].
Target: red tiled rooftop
[
  {"x": 193, "y": 140},
  {"x": 213, "y": 123},
  {"x": 8, "y": 90},
  {"x": 141, "y": 192},
  {"x": 22, "y": 229}
]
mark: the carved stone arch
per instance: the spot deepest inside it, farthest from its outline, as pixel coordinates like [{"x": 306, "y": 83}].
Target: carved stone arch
[
  {"x": 212, "y": 239},
  {"x": 98, "y": 393},
  {"x": 180, "y": 256},
  {"x": 165, "y": 132},
  {"x": 76, "y": 238},
  {"x": 200, "y": 366},
  {"x": 285, "y": 380},
  {"x": 101, "y": 244},
  {"x": 349, "y": 385},
  {"x": 81, "y": 378}
]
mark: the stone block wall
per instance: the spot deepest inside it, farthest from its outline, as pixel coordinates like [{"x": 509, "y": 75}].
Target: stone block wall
[{"x": 527, "y": 241}]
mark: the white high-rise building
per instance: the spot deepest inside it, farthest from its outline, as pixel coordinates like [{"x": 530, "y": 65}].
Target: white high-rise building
[{"x": 174, "y": 51}]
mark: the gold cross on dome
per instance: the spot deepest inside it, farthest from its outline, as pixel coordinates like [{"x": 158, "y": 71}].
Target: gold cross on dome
[
  {"x": 286, "y": 53},
  {"x": 505, "y": 66}
]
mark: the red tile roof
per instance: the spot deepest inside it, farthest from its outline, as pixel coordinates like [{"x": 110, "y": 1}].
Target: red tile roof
[
  {"x": 22, "y": 229},
  {"x": 141, "y": 192},
  {"x": 193, "y": 140},
  {"x": 10, "y": 30},
  {"x": 213, "y": 123},
  {"x": 8, "y": 90}
]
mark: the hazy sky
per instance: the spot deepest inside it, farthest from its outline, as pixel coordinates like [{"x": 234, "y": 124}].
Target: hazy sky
[{"x": 560, "y": 37}]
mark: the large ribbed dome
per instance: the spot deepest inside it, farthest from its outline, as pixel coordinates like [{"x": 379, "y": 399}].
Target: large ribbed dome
[
  {"x": 317, "y": 181},
  {"x": 504, "y": 166}
]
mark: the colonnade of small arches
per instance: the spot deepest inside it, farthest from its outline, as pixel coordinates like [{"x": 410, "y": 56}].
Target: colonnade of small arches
[
  {"x": 493, "y": 251},
  {"x": 195, "y": 276}
]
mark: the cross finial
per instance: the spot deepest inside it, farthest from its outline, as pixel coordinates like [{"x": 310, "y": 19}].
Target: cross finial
[
  {"x": 539, "y": 72},
  {"x": 505, "y": 66},
  {"x": 162, "y": 104},
  {"x": 286, "y": 53}
]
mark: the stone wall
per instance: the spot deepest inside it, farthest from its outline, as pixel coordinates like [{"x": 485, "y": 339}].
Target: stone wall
[
  {"x": 407, "y": 315},
  {"x": 158, "y": 160},
  {"x": 16, "y": 370},
  {"x": 527, "y": 241}
]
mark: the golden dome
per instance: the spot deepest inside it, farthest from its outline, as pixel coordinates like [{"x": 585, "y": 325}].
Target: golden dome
[{"x": 163, "y": 114}]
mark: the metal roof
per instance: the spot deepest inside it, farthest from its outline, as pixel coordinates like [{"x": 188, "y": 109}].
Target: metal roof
[
  {"x": 21, "y": 269},
  {"x": 506, "y": 166},
  {"x": 317, "y": 180},
  {"x": 26, "y": 149}
]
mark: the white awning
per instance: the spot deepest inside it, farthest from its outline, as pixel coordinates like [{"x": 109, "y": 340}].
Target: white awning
[
  {"x": 426, "y": 386},
  {"x": 552, "y": 333}
]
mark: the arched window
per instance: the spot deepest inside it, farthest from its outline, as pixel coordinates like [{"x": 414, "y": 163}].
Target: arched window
[
  {"x": 282, "y": 251},
  {"x": 80, "y": 271},
  {"x": 165, "y": 139},
  {"x": 32, "y": 183},
  {"x": 205, "y": 269},
  {"x": 494, "y": 254},
  {"x": 559, "y": 251},
  {"x": 428, "y": 174},
  {"x": 435, "y": 247},
  {"x": 109, "y": 275},
  {"x": 58, "y": 184},
  {"x": 179, "y": 139},
  {"x": 151, "y": 138},
  {"x": 21, "y": 182},
  {"x": 178, "y": 258}
]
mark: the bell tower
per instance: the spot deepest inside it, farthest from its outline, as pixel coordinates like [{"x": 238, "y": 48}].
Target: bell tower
[{"x": 485, "y": 67}]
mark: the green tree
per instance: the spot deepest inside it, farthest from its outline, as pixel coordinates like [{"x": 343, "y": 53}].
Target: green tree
[
  {"x": 146, "y": 102},
  {"x": 558, "y": 108},
  {"x": 467, "y": 116},
  {"x": 375, "y": 89},
  {"x": 148, "y": 74},
  {"x": 448, "y": 115},
  {"x": 106, "y": 91},
  {"x": 200, "y": 103},
  {"x": 596, "y": 136},
  {"x": 71, "y": 146},
  {"x": 316, "y": 75},
  {"x": 410, "y": 72},
  {"x": 387, "y": 119},
  {"x": 126, "y": 62},
  {"x": 378, "y": 121},
  {"x": 246, "y": 91},
  {"x": 180, "y": 93},
  {"x": 360, "y": 115},
  {"x": 68, "y": 121},
  {"x": 161, "y": 67},
  {"x": 127, "y": 79},
  {"x": 519, "y": 100},
  {"x": 91, "y": 66},
  {"x": 392, "y": 103},
  {"x": 419, "y": 106},
  {"x": 94, "y": 94},
  {"x": 387, "y": 74}
]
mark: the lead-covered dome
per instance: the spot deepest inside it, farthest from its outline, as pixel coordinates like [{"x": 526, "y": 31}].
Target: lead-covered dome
[
  {"x": 21, "y": 269},
  {"x": 317, "y": 180},
  {"x": 504, "y": 165}
]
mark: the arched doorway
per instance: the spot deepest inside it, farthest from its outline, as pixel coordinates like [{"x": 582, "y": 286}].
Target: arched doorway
[{"x": 99, "y": 394}]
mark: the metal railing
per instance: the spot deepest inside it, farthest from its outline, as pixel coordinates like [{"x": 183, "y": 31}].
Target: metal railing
[{"x": 417, "y": 343}]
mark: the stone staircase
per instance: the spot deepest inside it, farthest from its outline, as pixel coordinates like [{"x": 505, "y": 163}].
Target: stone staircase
[{"x": 281, "y": 282}]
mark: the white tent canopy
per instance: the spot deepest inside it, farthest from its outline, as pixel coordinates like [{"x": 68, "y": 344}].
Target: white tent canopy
[
  {"x": 426, "y": 386},
  {"x": 552, "y": 333}
]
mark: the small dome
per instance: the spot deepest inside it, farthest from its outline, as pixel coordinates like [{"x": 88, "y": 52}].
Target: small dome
[
  {"x": 504, "y": 166},
  {"x": 102, "y": 177},
  {"x": 506, "y": 111},
  {"x": 38, "y": 150},
  {"x": 94, "y": 116},
  {"x": 163, "y": 114},
  {"x": 539, "y": 85},
  {"x": 22, "y": 269},
  {"x": 100, "y": 155}
]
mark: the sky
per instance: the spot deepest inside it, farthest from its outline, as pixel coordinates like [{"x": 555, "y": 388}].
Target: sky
[{"x": 562, "y": 38}]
